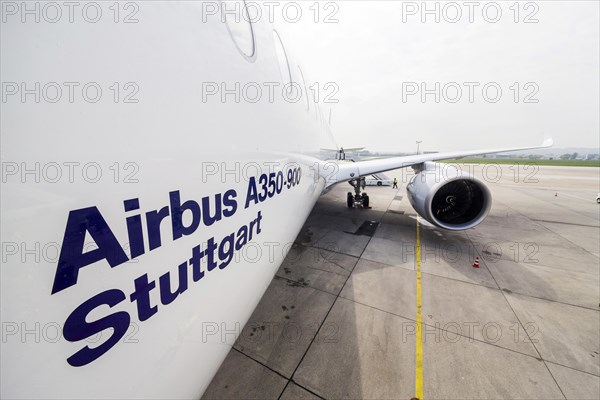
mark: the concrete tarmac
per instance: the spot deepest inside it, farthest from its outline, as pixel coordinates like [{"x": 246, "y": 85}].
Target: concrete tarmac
[{"x": 339, "y": 319}]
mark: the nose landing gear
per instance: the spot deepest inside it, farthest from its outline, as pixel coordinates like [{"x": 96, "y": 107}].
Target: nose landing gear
[{"x": 358, "y": 199}]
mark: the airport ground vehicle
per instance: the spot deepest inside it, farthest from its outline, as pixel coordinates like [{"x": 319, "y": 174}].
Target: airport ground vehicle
[{"x": 378, "y": 180}]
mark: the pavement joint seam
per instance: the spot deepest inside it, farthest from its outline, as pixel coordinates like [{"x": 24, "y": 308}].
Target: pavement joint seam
[
  {"x": 324, "y": 270},
  {"x": 548, "y": 229},
  {"x": 340, "y": 266},
  {"x": 517, "y": 188},
  {"x": 260, "y": 362},
  {"x": 330, "y": 308},
  {"x": 502, "y": 290},
  {"x": 307, "y": 285},
  {"x": 379, "y": 262},
  {"x": 458, "y": 280},
  {"x": 325, "y": 249},
  {"x": 552, "y": 301},
  {"x": 432, "y": 274},
  {"x": 547, "y": 266},
  {"x": 511, "y": 291},
  {"x": 451, "y": 332},
  {"x": 526, "y": 333},
  {"x": 314, "y": 337},
  {"x": 276, "y": 372},
  {"x": 564, "y": 223},
  {"x": 572, "y": 368}
]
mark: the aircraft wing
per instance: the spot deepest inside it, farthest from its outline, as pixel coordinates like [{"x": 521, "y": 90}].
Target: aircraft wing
[
  {"x": 349, "y": 171},
  {"x": 348, "y": 150}
]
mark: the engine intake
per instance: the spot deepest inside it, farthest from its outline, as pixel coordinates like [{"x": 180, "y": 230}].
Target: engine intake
[{"x": 455, "y": 203}]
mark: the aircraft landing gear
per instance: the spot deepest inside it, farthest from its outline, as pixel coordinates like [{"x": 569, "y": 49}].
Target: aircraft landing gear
[{"x": 358, "y": 199}]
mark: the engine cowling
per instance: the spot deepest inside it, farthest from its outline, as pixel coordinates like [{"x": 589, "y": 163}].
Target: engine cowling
[{"x": 458, "y": 202}]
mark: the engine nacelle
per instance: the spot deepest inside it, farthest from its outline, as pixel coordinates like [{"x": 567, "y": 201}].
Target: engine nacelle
[{"x": 455, "y": 203}]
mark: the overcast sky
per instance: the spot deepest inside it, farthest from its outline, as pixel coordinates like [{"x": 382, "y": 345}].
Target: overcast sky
[{"x": 380, "y": 54}]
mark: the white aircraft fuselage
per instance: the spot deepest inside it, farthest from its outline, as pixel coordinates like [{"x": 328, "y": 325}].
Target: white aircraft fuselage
[
  {"x": 144, "y": 272},
  {"x": 157, "y": 165}
]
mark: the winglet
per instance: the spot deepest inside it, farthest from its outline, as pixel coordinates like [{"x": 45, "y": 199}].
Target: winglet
[{"x": 548, "y": 141}]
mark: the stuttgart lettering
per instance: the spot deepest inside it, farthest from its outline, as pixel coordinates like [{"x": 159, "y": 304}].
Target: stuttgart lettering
[{"x": 213, "y": 255}]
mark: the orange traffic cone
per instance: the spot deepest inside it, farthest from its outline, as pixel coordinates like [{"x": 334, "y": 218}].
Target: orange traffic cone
[{"x": 476, "y": 262}]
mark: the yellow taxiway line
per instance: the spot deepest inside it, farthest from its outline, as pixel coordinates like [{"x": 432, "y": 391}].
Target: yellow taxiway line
[{"x": 419, "y": 335}]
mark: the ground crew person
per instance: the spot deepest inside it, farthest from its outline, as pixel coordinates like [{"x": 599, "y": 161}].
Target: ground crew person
[{"x": 395, "y": 182}]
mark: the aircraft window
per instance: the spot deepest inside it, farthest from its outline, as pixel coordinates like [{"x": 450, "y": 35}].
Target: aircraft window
[
  {"x": 306, "y": 98},
  {"x": 284, "y": 66},
  {"x": 240, "y": 28}
]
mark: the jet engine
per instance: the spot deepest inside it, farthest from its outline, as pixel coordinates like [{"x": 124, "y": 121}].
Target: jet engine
[{"x": 455, "y": 203}]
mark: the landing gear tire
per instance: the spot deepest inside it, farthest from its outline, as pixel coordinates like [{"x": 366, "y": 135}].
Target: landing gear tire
[
  {"x": 379, "y": 183},
  {"x": 357, "y": 199},
  {"x": 365, "y": 200}
]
